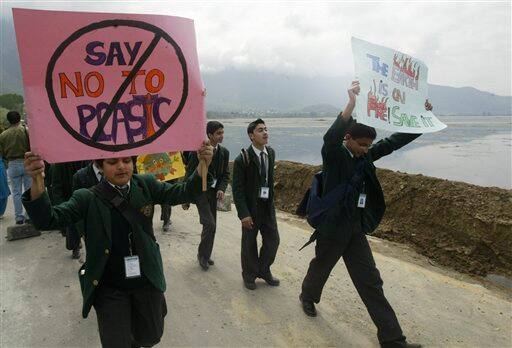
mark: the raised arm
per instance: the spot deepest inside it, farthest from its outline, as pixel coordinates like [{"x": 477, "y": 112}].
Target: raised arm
[
  {"x": 394, "y": 142},
  {"x": 337, "y": 131}
]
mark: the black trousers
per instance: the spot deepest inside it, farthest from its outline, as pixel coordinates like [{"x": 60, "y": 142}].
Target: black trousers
[
  {"x": 254, "y": 265},
  {"x": 206, "y": 205},
  {"x": 130, "y": 318},
  {"x": 365, "y": 276},
  {"x": 165, "y": 215},
  {"x": 72, "y": 238}
]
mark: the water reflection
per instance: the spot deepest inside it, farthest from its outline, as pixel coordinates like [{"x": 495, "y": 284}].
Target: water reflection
[{"x": 476, "y": 150}]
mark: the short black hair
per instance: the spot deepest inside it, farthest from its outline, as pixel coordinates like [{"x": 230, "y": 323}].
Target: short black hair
[
  {"x": 99, "y": 163},
  {"x": 13, "y": 117},
  {"x": 213, "y": 126},
  {"x": 359, "y": 130},
  {"x": 252, "y": 126}
]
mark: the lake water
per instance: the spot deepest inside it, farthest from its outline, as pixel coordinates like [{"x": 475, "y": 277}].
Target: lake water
[{"x": 472, "y": 149}]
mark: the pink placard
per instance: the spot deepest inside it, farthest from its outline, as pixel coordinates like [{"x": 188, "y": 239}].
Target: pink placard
[{"x": 100, "y": 85}]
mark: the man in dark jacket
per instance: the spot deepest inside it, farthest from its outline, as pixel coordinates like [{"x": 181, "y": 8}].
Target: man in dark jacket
[
  {"x": 14, "y": 142},
  {"x": 207, "y": 202},
  {"x": 253, "y": 193},
  {"x": 348, "y": 156}
]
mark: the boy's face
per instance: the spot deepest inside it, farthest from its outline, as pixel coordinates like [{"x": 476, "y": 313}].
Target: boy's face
[
  {"x": 359, "y": 147},
  {"x": 118, "y": 171},
  {"x": 260, "y": 135},
  {"x": 216, "y": 137}
]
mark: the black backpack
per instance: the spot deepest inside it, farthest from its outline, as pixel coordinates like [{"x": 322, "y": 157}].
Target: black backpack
[{"x": 314, "y": 206}]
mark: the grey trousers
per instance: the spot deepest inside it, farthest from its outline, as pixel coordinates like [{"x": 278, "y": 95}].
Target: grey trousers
[
  {"x": 206, "y": 205},
  {"x": 130, "y": 318}
]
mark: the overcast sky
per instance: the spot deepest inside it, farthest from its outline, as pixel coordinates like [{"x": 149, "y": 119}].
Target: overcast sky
[{"x": 463, "y": 43}]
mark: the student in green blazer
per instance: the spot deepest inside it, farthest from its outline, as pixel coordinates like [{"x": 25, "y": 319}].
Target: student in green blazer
[
  {"x": 348, "y": 156},
  {"x": 253, "y": 193},
  {"x": 122, "y": 276},
  {"x": 206, "y": 203}
]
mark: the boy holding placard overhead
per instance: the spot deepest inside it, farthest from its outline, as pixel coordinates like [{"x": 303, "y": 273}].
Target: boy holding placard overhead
[
  {"x": 348, "y": 154},
  {"x": 122, "y": 277}
]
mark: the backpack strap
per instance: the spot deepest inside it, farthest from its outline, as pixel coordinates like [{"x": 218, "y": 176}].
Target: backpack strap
[
  {"x": 313, "y": 237},
  {"x": 245, "y": 157},
  {"x": 107, "y": 193}
]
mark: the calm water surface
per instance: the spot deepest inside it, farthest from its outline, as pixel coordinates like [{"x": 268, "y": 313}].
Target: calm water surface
[{"x": 475, "y": 149}]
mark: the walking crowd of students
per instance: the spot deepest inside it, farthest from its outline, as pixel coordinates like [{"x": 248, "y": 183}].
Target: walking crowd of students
[{"x": 112, "y": 208}]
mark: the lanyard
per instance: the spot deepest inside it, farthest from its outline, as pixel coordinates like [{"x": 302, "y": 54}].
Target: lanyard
[{"x": 130, "y": 243}]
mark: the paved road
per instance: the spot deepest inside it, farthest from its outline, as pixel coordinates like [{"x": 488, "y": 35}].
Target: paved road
[{"x": 40, "y": 302}]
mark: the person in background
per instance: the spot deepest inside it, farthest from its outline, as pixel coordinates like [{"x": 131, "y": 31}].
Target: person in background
[
  {"x": 4, "y": 189},
  {"x": 62, "y": 188},
  {"x": 207, "y": 202},
  {"x": 253, "y": 193},
  {"x": 14, "y": 142},
  {"x": 166, "y": 211}
]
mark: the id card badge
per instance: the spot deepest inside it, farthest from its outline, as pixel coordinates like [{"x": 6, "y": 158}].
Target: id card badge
[
  {"x": 361, "y": 202},
  {"x": 264, "y": 192},
  {"x": 214, "y": 183},
  {"x": 132, "y": 266}
]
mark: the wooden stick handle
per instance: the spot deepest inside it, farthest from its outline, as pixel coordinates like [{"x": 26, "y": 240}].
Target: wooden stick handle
[
  {"x": 204, "y": 173},
  {"x": 39, "y": 182}
]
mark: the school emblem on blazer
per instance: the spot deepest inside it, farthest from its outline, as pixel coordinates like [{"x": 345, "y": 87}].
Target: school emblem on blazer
[{"x": 147, "y": 210}]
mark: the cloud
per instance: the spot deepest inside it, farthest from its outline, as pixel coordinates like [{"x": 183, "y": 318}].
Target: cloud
[{"x": 464, "y": 44}]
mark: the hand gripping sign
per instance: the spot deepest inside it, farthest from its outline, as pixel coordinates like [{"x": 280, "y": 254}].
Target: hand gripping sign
[
  {"x": 393, "y": 90},
  {"x": 103, "y": 85}
]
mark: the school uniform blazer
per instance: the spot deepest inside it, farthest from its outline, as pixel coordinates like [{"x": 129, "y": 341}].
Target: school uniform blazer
[
  {"x": 219, "y": 165},
  {"x": 338, "y": 167},
  {"x": 145, "y": 192},
  {"x": 247, "y": 183}
]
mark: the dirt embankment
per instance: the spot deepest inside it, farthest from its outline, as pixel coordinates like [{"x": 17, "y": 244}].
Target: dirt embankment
[{"x": 464, "y": 226}]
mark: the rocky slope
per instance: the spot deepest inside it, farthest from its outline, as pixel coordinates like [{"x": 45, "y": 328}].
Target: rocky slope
[{"x": 463, "y": 226}]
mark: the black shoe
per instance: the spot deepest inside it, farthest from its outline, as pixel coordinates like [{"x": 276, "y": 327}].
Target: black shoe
[
  {"x": 76, "y": 254},
  {"x": 251, "y": 285},
  {"x": 270, "y": 280},
  {"x": 400, "y": 344},
  {"x": 308, "y": 307},
  {"x": 20, "y": 222},
  {"x": 203, "y": 262},
  {"x": 210, "y": 262}
]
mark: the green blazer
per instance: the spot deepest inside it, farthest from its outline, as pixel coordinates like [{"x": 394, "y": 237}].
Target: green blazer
[
  {"x": 339, "y": 166},
  {"x": 145, "y": 192},
  {"x": 247, "y": 183}
]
